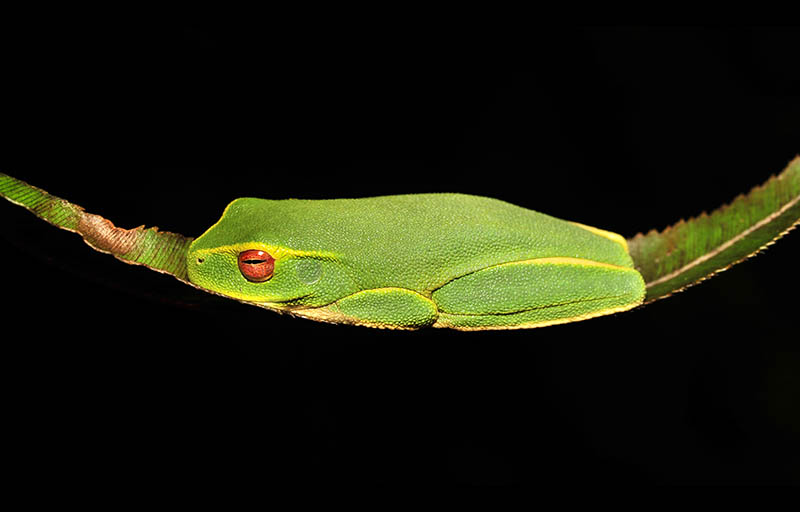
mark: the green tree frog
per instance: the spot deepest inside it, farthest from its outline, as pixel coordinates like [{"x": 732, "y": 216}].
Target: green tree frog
[{"x": 410, "y": 261}]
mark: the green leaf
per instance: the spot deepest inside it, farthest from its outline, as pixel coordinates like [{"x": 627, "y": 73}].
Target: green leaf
[
  {"x": 161, "y": 251},
  {"x": 670, "y": 261},
  {"x": 689, "y": 252}
]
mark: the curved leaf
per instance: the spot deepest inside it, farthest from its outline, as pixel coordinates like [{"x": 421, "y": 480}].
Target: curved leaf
[
  {"x": 161, "y": 251},
  {"x": 689, "y": 252},
  {"x": 670, "y": 261}
]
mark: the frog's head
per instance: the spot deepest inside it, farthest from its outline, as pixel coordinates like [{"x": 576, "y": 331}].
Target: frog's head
[{"x": 238, "y": 257}]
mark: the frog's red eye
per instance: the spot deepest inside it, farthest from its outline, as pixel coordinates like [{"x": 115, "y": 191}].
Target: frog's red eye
[{"x": 255, "y": 265}]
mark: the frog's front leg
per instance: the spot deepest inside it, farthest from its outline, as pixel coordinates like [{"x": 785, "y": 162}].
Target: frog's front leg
[
  {"x": 390, "y": 308},
  {"x": 537, "y": 292}
]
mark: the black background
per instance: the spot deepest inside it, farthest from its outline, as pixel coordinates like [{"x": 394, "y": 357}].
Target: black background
[{"x": 125, "y": 378}]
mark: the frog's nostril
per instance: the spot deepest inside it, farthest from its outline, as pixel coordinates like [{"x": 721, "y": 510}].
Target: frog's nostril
[{"x": 200, "y": 260}]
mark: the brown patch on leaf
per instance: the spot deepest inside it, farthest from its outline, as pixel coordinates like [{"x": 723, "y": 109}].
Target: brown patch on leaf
[
  {"x": 102, "y": 234},
  {"x": 160, "y": 251}
]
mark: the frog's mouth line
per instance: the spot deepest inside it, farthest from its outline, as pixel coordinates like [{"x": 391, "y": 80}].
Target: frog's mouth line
[{"x": 282, "y": 304}]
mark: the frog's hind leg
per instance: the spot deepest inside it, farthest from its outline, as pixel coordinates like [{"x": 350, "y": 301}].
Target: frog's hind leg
[{"x": 537, "y": 292}]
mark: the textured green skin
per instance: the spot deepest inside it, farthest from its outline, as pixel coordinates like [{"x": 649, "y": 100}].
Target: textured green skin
[{"x": 427, "y": 257}]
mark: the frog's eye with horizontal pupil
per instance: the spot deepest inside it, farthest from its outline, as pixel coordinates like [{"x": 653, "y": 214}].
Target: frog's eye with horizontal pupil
[{"x": 255, "y": 265}]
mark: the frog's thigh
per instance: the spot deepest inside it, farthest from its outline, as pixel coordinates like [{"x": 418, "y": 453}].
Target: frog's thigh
[
  {"x": 534, "y": 293},
  {"x": 387, "y": 307}
]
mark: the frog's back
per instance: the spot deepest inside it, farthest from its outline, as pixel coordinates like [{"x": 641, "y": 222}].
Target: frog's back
[{"x": 416, "y": 241}]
